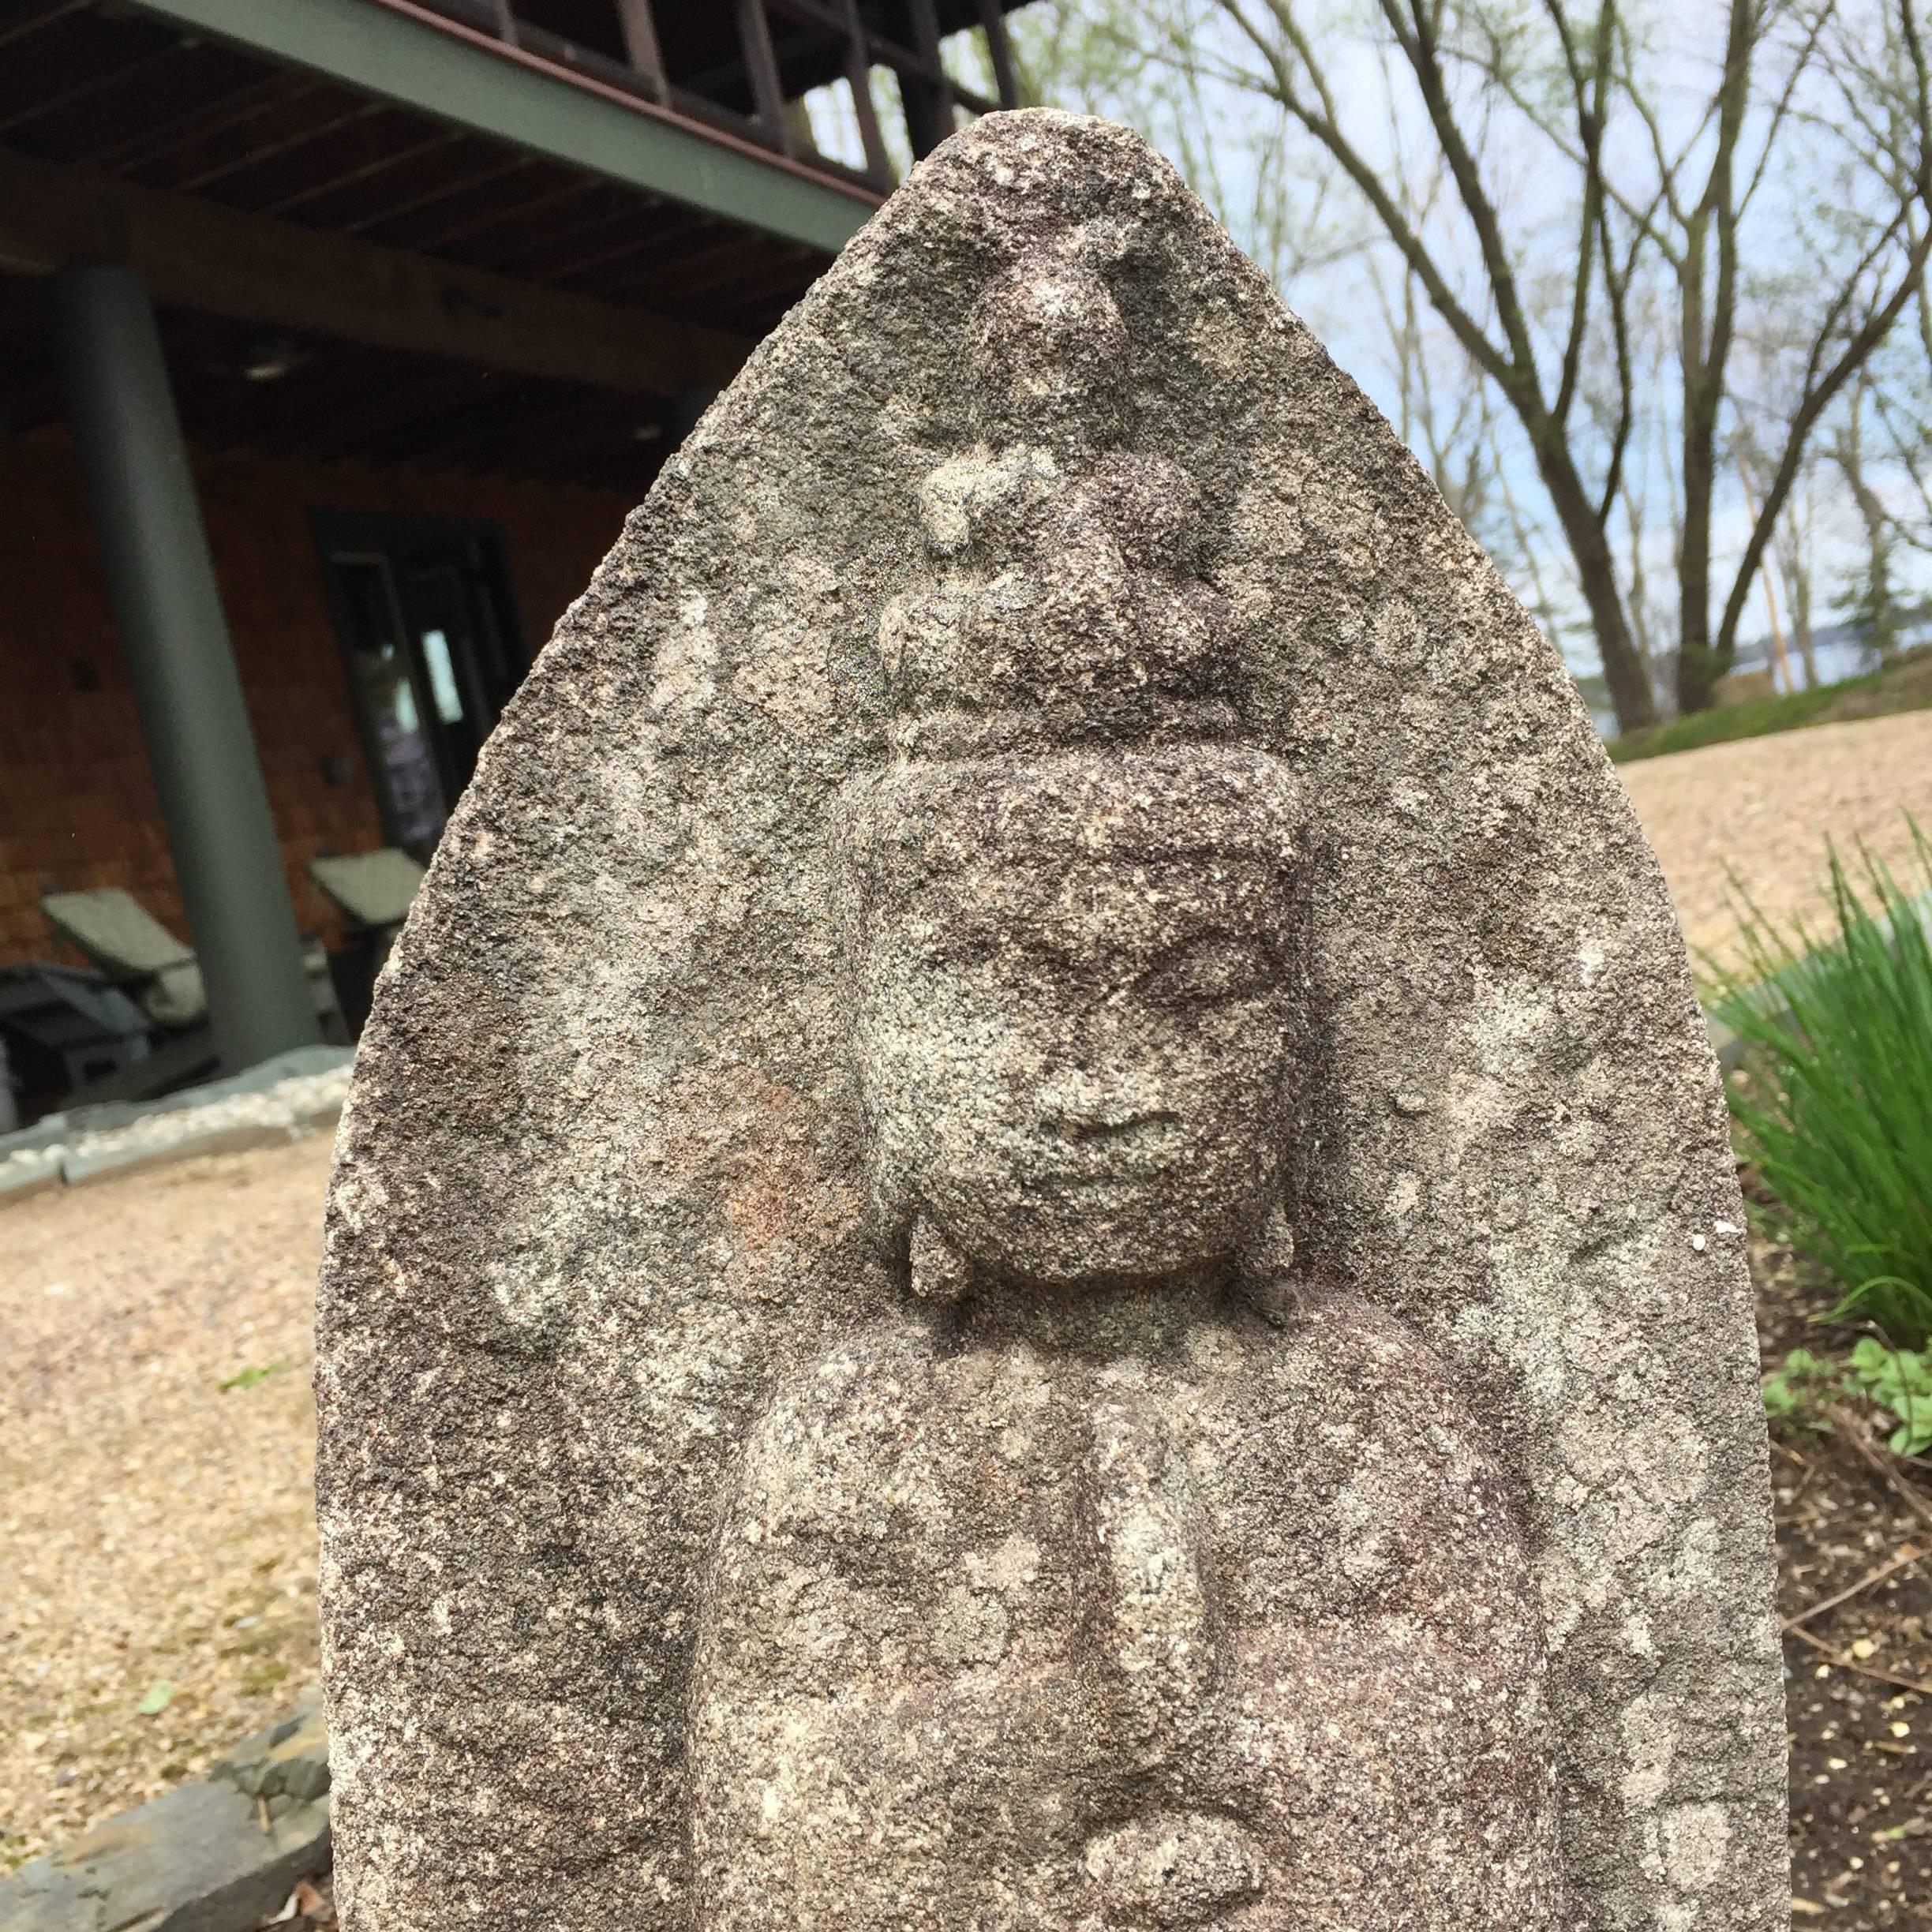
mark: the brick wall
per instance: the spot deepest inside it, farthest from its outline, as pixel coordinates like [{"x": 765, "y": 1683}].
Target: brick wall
[{"x": 78, "y": 806}]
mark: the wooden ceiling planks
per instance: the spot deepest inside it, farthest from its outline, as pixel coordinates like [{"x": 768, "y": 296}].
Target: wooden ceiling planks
[{"x": 92, "y": 85}]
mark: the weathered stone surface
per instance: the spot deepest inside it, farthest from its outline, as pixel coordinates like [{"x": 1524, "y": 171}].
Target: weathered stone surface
[
  {"x": 289, "y": 1760},
  {"x": 1036, "y": 1231}
]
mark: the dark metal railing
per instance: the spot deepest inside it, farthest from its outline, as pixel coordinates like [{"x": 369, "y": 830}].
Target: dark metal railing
[{"x": 932, "y": 98}]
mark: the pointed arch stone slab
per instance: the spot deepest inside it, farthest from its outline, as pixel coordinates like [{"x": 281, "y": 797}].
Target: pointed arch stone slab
[{"x": 599, "y": 1193}]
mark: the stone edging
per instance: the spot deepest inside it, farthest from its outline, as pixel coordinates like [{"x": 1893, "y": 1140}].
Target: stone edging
[
  {"x": 228, "y": 1117},
  {"x": 216, "y": 1856}
]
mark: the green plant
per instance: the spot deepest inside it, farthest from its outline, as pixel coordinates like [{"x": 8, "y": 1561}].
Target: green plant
[
  {"x": 1833, "y": 1097},
  {"x": 1795, "y": 1391},
  {"x": 1800, "y": 1392},
  {"x": 1901, "y": 1381},
  {"x": 250, "y": 1377}
]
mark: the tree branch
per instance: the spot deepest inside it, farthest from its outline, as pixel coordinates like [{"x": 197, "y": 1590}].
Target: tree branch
[
  {"x": 1320, "y": 121},
  {"x": 1819, "y": 390}
]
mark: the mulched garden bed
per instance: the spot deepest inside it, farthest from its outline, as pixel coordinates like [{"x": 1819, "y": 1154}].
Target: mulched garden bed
[{"x": 1858, "y": 1633}]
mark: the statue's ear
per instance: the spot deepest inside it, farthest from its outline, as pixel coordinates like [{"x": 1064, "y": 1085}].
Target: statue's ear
[
  {"x": 939, "y": 1271},
  {"x": 1266, "y": 1268}
]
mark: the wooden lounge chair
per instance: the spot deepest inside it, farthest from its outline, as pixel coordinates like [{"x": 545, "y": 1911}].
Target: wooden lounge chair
[
  {"x": 139, "y": 954},
  {"x": 374, "y": 889}
]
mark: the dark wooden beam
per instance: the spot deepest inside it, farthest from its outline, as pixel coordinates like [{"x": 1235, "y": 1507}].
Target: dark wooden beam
[
  {"x": 658, "y": 283},
  {"x": 999, "y": 51},
  {"x": 484, "y": 209},
  {"x": 754, "y": 41},
  {"x": 468, "y": 175},
  {"x": 590, "y": 270},
  {"x": 46, "y": 18},
  {"x": 274, "y": 94},
  {"x": 858, "y": 79},
  {"x": 880, "y": 51},
  {"x": 409, "y": 155},
  {"x": 422, "y": 62},
  {"x": 351, "y": 405},
  {"x": 928, "y": 97},
  {"x": 139, "y": 69},
  {"x": 198, "y": 254},
  {"x": 728, "y": 285},
  {"x": 639, "y": 27},
  {"x": 221, "y": 160}
]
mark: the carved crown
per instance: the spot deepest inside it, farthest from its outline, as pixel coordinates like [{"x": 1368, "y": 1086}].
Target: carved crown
[{"x": 1068, "y": 604}]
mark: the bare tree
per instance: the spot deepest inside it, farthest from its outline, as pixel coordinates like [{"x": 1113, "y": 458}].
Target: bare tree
[
  {"x": 1647, "y": 191},
  {"x": 1793, "y": 547}
]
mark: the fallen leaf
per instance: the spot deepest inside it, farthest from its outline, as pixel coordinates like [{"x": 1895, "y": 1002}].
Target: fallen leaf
[
  {"x": 160, "y": 1695},
  {"x": 249, "y": 1377}
]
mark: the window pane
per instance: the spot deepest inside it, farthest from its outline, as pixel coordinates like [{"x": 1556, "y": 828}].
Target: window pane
[{"x": 442, "y": 677}]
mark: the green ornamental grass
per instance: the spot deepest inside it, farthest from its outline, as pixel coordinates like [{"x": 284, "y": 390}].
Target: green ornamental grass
[{"x": 1833, "y": 1098}]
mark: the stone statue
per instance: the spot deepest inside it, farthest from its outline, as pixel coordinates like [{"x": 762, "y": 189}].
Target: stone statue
[
  {"x": 1121, "y": 1584},
  {"x": 1035, "y": 1236}
]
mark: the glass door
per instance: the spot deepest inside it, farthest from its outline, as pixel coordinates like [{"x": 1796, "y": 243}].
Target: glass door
[{"x": 429, "y": 632}]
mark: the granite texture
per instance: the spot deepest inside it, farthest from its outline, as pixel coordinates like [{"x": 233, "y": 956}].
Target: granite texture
[{"x": 1035, "y": 1231}]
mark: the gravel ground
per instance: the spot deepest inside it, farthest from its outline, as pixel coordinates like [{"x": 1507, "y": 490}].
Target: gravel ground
[
  {"x": 156, "y": 1529},
  {"x": 1767, "y": 807}
]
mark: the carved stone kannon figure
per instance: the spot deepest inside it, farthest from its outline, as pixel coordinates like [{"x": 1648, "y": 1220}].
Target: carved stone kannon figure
[
  {"x": 1118, "y": 1580},
  {"x": 1036, "y": 1232}
]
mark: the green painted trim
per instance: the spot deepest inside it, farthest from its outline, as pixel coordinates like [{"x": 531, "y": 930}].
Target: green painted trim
[{"x": 417, "y": 65}]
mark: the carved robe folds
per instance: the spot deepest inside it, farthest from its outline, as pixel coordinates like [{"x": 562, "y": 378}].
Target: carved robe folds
[{"x": 1003, "y": 1631}]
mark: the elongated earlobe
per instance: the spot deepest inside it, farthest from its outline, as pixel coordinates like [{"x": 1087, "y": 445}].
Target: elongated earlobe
[
  {"x": 1266, "y": 1268},
  {"x": 939, "y": 1271}
]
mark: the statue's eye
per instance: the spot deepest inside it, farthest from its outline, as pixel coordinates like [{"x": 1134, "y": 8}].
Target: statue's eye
[{"x": 1204, "y": 971}]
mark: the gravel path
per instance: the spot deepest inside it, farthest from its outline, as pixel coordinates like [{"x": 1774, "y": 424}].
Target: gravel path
[
  {"x": 155, "y": 1528},
  {"x": 1767, "y": 807}
]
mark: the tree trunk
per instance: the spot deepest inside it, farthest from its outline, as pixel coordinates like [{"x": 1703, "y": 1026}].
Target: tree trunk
[
  {"x": 1699, "y": 666},
  {"x": 1800, "y": 581},
  {"x": 1624, "y": 670}
]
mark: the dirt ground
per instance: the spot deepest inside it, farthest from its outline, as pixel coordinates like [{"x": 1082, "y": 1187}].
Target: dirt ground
[
  {"x": 157, "y": 1531},
  {"x": 1861, "y": 1756},
  {"x": 1766, "y": 807}
]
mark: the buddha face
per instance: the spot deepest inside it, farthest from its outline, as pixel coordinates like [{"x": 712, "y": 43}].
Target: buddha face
[{"x": 1075, "y": 1012}]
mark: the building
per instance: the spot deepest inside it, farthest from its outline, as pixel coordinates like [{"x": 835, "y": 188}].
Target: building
[{"x": 336, "y": 338}]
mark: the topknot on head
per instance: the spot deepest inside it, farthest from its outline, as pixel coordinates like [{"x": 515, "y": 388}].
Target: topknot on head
[
  {"x": 1052, "y": 357},
  {"x": 1070, "y": 604}
]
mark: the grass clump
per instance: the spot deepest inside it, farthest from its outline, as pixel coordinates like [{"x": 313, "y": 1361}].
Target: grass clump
[
  {"x": 1787, "y": 711},
  {"x": 1834, "y": 1099}
]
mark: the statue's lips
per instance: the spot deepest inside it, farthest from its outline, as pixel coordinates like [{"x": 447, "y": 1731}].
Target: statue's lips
[{"x": 1149, "y": 1147}]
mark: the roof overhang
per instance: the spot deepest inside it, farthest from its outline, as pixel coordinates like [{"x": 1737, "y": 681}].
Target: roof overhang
[{"x": 396, "y": 52}]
